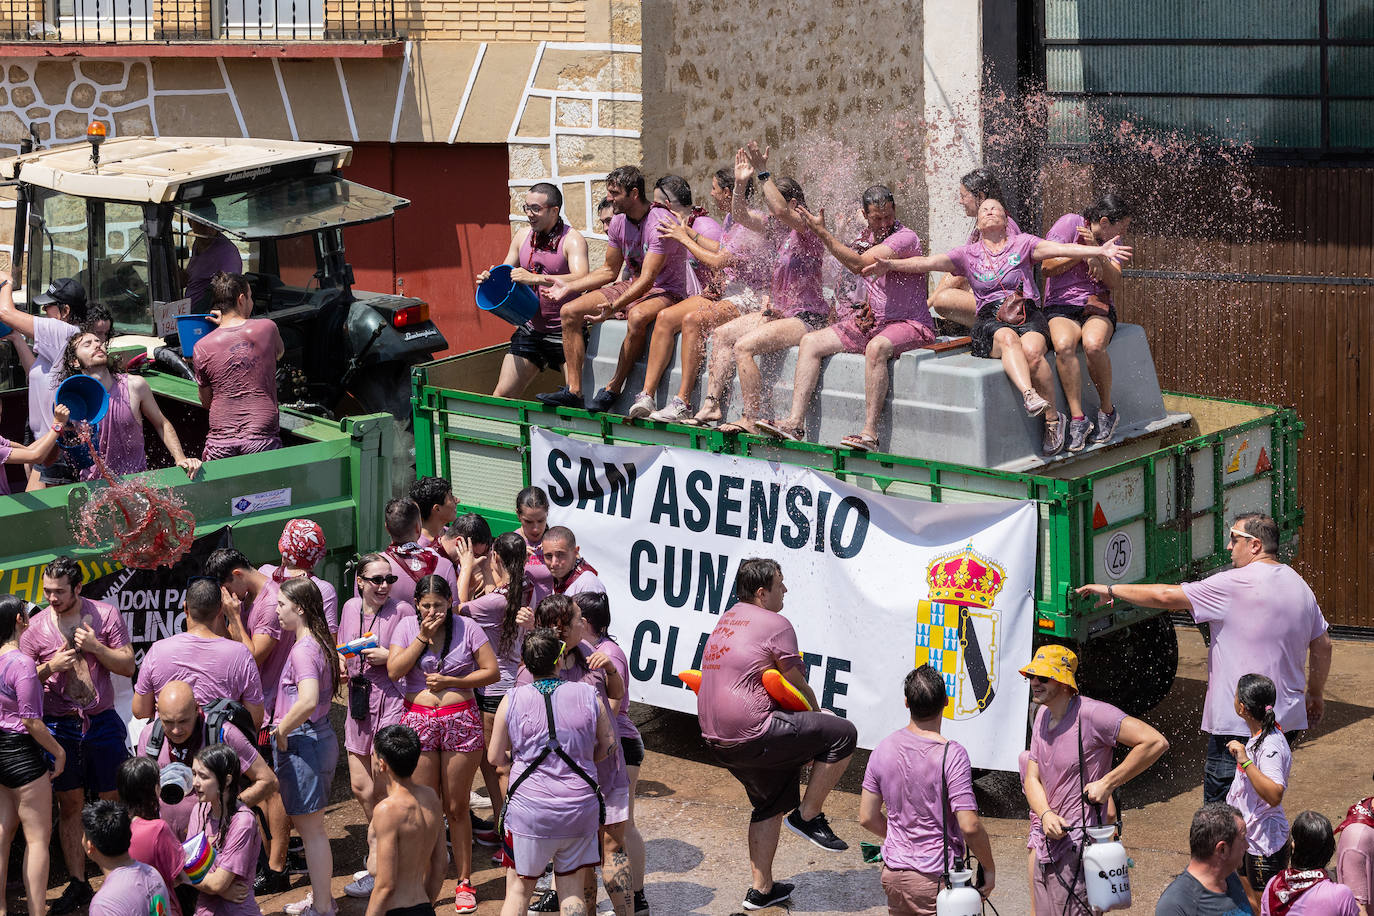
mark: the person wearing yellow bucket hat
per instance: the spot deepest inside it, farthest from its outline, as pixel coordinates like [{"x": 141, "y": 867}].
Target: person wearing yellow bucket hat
[{"x": 1069, "y": 771}]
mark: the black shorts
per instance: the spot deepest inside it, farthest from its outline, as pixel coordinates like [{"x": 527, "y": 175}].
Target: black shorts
[
  {"x": 1077, "y": 313},
  {"x": 543, "y": 348},
  {"x": 988, "y": 325},
  {"x": 769, "y": 766},
  {"x": 486, "y": 703},
  {"x": 21, "y": 760},
  {"x": 815, "y": 321},
  {"x": 633, "y": 751},
  {"x": 419, "y": 909}
]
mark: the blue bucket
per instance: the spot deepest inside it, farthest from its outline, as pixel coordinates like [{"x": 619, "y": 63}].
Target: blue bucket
[
  {"x": 191, "y": 328},
  {"x": 506, "y": 299},
  {"x": 85, "y": 397},
  {"x": 5, "y": 329}
]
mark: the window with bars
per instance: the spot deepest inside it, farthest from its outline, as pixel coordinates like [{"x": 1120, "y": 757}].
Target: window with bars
[
  {"x": 132, "y": 21},
  {"x": 1283, "y": 75}
]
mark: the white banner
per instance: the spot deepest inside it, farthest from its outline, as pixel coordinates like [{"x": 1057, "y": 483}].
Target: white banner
[{"x": 875, "y": 584}]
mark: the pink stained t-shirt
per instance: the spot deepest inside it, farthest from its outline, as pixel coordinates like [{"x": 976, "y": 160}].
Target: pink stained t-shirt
[
  {"x": 6, "y": 447},
  {"x": 386, "y": 699},
  {"x": 1055, "y": 752},
  {"x": 797, "y": 276},
  {"x": 119, "y": 435},
  {"x": 549, "y": 259},
  {"x": 42, "y": 640},
  {"x": 624, "y": 726},
  {"x": 21, "y": 696},
  {"x": 403, "y": 589},
  {"x": 153, "y": 843},
  {"x": 260, "y": 619},
  {"x": 460, "y": 660},
  {"x": 50, "y": 337},
  {"x": 131, "y": 890},
  {"x": 1262, "y": 617},
  {"x": 213, "y": 666},
  {"x": 993, "y": 277},
  {"x": 732, "y": 705},
  {"x": 1266, "y": 826},
  {"x": 489, "y": 613},
  {"x": 753, "y": 258},
  {"x": 306, "y": 660},
  {"x": 904, "y": 770},
  {"x": 1326, "y": 898},
  {"x": 1075, "y": 285},
  {"x": 1355, "y": 860},
  {"x": 707, "y": 228},
  {"x": 178, "y": 816},
  {"x": 236, "y": 852},
  {"x": 219, "y": 255},
  {"x": 239, "y": 366},
  {"x": 898, "y": 296},
  {"x": 553, "y": 801},
  {"x": 636, "y": 240},
  {"x": 328, "y": 594},
  {"x": 576, "y": 584}
]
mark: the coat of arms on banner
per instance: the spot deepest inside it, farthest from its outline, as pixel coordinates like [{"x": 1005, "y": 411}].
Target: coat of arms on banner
[{"x": 963, "y": 586}]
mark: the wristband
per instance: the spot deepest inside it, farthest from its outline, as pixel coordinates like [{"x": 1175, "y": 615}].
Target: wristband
[
  {"x": 764, "y": 176},
  {"x": 1246, "y": 764},
  {"x": 56, "y": 428},
  {"x": 1110, "y": 596}
]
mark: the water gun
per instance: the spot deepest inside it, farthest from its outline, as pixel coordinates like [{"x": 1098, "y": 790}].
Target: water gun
[
  {"x": 200, "y": 858},
  {"x": 356, "y": 646}
]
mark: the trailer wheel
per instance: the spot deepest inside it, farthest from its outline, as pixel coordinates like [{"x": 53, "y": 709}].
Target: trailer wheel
[{"x": 1134, "y": 667}]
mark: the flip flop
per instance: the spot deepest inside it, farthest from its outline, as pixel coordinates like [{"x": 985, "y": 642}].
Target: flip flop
[
  {"x": 859, "y": 443},
  {"x": 736, "y": 428},
  {"x": 777, "y": 430},
  {"x": 701, "y": 424}
]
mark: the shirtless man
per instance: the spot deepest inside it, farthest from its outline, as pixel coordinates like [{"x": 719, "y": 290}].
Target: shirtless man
[{"x": 409, "y": 818}]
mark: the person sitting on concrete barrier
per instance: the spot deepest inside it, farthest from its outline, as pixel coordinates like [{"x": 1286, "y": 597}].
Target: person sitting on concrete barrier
[
  {"x": 1070, "y": 769},
  {"x": 605, "y": 212},
  {"x": 1304, "y": 888},
  {"x": 236, "y": 368},
  {"x": 893, "y": 319},
  {"x": 761, "y": 745},
  {"x": 952, "y": 300},
  {"x": 1078, "y": 303},
  {"x": 1001, "y": 268},
  {"x": 1263, "y": 762},
  {"x": 1210, "y": 885},
  {"x": 658, "y": 278},
  {"x": 548, "y": 250},
  {"x": 925, "y": 783}
]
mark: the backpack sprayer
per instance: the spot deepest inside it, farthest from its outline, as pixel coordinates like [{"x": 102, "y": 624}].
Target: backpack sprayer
[
  {"x": 1102, "y": 860},
  {"x": 960, "y": 895}
]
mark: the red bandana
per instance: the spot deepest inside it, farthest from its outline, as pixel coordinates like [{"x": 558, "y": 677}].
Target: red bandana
[
  {"x": 1362, "y": 812},
  {"x": 1288, "y": 885},
  {"x": 417, "y": 561},
  {"x": 582, "y": 567},
  {"x": 301, "y": 545}
]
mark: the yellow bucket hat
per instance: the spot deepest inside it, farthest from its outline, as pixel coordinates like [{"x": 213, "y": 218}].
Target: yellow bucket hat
[{"x": 1057, "y": 663}]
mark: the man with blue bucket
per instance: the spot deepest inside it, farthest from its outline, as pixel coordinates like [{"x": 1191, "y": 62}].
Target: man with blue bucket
[{"x": 548, "y": 250}]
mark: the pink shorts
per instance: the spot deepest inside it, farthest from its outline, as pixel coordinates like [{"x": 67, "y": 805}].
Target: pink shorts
[
  {"x": 904, "y": 334},
  {"x": 616, "y": 290},
  {"x": 456, "y": 728},
  {"x": 909, "y": 893},
  {"x": 529, "y": 855}
]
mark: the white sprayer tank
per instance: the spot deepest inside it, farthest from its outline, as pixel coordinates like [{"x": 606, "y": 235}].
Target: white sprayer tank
[
  {"x": 959, "y": 899},
  {"x": 1107, "y": 870}
]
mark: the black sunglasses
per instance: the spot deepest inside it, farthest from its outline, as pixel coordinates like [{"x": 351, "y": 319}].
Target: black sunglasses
[{"x": 378, "y": 580}]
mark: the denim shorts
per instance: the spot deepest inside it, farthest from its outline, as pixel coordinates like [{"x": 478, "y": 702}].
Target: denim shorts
[
  {"x": 305, "y": 769},
  {"x": 93, "y": 759}
]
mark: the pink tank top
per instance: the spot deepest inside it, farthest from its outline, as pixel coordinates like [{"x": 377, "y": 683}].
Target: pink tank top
[
  {"x": 120, "y": 436},
  {"x": 547, "y": 259}
]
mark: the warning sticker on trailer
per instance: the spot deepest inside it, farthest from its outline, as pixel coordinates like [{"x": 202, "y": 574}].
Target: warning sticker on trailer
[{"x": 1117, "y": 555}]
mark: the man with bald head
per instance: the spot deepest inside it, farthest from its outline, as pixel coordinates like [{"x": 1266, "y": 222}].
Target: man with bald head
[
  {"x": 177, "y": 735},
  {"x": 213, "y": 666}
]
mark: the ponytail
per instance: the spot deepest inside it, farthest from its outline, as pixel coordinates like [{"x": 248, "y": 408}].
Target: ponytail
[{"x": 1257, "y": 695}]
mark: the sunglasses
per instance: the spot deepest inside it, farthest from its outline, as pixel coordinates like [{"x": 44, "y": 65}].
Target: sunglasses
[
  {"x": 1240, "y": 534},
  {"x": 379, "y": 580},
  {"x": 1039, "y": 678}
]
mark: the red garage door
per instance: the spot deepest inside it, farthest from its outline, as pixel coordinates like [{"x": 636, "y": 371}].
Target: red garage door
[{"x": 456, "y": 226}]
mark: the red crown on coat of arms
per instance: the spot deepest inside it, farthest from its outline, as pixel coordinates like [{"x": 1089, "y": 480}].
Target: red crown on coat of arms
[{"x": 966, "y": 577}]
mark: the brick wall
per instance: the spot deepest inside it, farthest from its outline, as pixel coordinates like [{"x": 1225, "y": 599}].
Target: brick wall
[{"x": 497, "y": 20}]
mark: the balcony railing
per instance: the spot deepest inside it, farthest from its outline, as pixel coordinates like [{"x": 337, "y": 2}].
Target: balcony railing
[{"x": 146, "y": 21}]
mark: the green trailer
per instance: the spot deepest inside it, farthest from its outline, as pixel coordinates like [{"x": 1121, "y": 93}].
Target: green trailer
[{"x": 1156, "y": 510}]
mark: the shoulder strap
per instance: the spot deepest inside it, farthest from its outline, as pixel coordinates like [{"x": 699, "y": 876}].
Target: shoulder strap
[
  {"x": 944, "y": 815},
  {"x": 155, "y": 738},
  {"x": 552, "y": 745}
]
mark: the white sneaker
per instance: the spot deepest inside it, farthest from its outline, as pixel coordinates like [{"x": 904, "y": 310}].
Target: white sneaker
[
  {"x": 478, "y": 799},
  {"x": 361, "y": 886},
  {"x": 300, "y": 906},
  {"x": 676, "y": 411},
  {"x": 642, "y": 407}
]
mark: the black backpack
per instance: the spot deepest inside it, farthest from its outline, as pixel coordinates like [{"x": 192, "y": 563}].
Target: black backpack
[{"x": 216, "y": 714}]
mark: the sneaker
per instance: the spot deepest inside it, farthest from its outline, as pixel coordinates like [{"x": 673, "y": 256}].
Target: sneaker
[
  {"x": 477, "y": 800},
  {"x": 643, "y": 407},
  {"x": 295, "y": 844},
  {"x": 676, "y": 411},
  {"x": 464, "y": 899},
  {"x": 547, "y": 903},
  {"x": 1035, "y": 404},
  {"x": 485, "y": 837},
  {"x": 497, "y": 860},
  {"x": 1106, "y": 425},
  {"x": 1053, "y": 442},
  {"x": 295, "y": 863},
  {"x": 603, "y": 400},
  {"x": 270, "y": 881},
  {"x": 75, "y": 897},
  {"x": 778, "y": 893},
  {"x": 1078, "y": 433},
  {"x": 560, "y": 398},
  {"x": 817, "y": 830},
  {"x": 300, "y": 906},
  {"x": 311, "y": 911},
  {"x": 361, "y": 886},
  {"x": 641, "y": 904}
]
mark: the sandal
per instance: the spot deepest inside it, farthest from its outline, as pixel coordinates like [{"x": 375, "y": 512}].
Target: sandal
[
  {"x": 859, "y": 442},
  {"x": 741, "y": 425},
  {"x": 697, "y": 421},
  {"x": 777, "y": 430}
]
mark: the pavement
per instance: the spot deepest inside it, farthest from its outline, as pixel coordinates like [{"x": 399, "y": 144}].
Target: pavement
[{"x": 693, "y": 814}]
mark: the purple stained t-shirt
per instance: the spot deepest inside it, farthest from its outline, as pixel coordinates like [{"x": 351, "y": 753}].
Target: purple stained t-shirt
[
  {"x": 328, "y": 594},
  {"x": 1266, "y": 826},
  {"x": 220, "y": 255},
  {"x": 898, "y": 296},
  {"x": 153, "y": 843},
  {"x": 214, "y": 667},
  {"x": 707, "y": 228},
  {"x": 403, "y": 589},
  {"x": 993, "y": 277},
  {"x": 236, "y": 852},
  {"x": 1055, "y": 752},
  {"x": 131, "y": 890},
  {"x": 1075, "y": 285},
  {"x": 635, "y": 240},
  {"x": 797, "y": 276},
  {"x": 239, "y": 366},
  {"x": 386, "y": 698},
  {"x": 461, "y": 659},
  {"x": 489, "y": 613},
  {"x": 178, "y": 816},
  {"x": 554, "y": 801},
  {"x": 21, "y": 696},
  {"x": 1262, "y": 617},
  {"x": 1326, "y": 898},
  {"x": 610, "y": 770},
  {"x": 1355, "y": 859},
  {"x": 6, "y": 446},
  {"x": 306, "y": 660},
  {"x": 42, "y": 640},
  {"x": 624, "y": 727},
  {"x": 585, "y": 581},
  {"x": 732, "y": 704},
  {"x": 50, "y": 338},
  {"x": 904, "y": 770},
  {"x": 753, "y": 258},
  {"x": 261, "y": 620}
]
